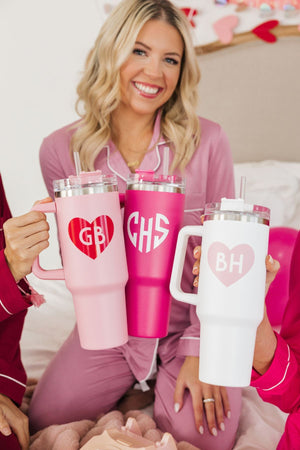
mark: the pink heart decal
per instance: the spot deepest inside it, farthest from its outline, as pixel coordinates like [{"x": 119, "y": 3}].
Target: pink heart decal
[
  {"x": 91, "y": 238},
  {"x": 263, "y": 31},
  {"x": 229, "y": 266},
  {"x": 224, "y": 28}
]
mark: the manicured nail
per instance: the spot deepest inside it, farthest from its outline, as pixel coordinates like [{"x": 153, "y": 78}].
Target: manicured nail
[
  {"x": 271, "y": 260},
  {"x": 222, "y": 426},
  {"x": 196, "y": 253},
  {"x": 6, "y": 431},
  {"x": 176, "y": 407},
  {"x": 195, "y": 270},
  {"x": 201, "y": 429},
  {"x": 214, "y": 431},
  {"x": 228, "y": 415},
  {"x": 195, "y": 283}
]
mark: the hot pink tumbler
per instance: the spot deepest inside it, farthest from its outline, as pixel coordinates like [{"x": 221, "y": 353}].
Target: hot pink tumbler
[
  {"x": 153, "y": 213},
  {"x": 92, "y": 247}
]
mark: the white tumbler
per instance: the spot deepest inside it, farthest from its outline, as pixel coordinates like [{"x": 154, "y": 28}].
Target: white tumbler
[{"x": 231, "y": 288}]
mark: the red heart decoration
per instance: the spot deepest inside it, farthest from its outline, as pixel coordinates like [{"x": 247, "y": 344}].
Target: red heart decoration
[
  {"x": 91, "y": 238},
  {"x": 190, "y": 13},
  {"x": 263, "y": 31}
]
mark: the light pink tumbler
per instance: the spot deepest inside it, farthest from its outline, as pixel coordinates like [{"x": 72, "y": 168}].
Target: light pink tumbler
[
  {"x": 92, "y": 247},
  {"x": 153, "y": 214}
]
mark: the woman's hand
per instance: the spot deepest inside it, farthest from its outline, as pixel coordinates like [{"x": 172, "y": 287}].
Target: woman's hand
[
  {"x": 266, "y": 342},
  {"x": 25, "y": 237},
  {"x": 13, "y": 420},
  {"x": 197, "y": 256},
  {"x": 215, "y": 408}
]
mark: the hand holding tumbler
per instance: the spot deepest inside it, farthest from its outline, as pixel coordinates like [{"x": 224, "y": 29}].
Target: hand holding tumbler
[
  {"x": 231, "y": 288},
  {"x": 92, "y": 247}
]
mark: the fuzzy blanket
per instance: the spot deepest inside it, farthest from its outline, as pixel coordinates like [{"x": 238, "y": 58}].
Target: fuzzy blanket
[{"x": 75, "y": 435}]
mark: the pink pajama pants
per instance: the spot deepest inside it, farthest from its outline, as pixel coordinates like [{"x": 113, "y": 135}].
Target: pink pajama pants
[{"x": 81, "y": 384}]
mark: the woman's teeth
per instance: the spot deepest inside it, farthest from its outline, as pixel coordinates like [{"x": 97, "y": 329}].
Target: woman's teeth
[{"x": 146, "y": 89}]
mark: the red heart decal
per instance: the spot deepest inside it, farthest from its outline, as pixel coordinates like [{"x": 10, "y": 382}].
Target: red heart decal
[
  {"x": 91, "y": 238},
  {"x": 263, "y": 31}
]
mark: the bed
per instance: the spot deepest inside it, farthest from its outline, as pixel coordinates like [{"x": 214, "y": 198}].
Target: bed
[{"x": 266, "y": 152}]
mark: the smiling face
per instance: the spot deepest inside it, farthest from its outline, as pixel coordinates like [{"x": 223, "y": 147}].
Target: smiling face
[{"x": 151, "y": 73}]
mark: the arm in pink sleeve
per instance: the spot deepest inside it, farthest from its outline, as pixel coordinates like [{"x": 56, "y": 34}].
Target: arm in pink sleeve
[
  {"x": 55, "y": 158},
  {"x": 280, "y": 385},
  {"x": 220, "y": 179}
]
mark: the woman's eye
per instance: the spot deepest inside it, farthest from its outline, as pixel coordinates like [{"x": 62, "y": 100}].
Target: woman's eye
[
  {"x": 172, "y": 61},
  {"x": 139, "y": 51}
]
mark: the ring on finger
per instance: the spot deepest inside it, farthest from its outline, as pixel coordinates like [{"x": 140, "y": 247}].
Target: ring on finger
[{"x": 208, "y": 400}]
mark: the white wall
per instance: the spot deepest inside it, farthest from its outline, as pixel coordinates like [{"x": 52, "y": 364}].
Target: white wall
[{"x": 43, "y": 49}]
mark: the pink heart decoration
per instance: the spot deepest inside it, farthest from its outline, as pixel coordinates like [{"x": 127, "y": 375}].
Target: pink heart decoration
[
  {"x": 224, "y": 28},
  {"x": 229, "y": 266},
  {"x": 91, "y": 238},
  {"x": 107, "y": 8},
  {"x": 262, "y": 31}
]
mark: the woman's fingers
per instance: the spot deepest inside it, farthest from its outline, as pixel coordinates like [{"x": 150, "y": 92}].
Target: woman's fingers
[{"x": 272, "y": 267}]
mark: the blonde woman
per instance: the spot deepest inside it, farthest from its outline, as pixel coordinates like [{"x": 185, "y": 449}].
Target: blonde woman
[{"x": 137, "y": 95}]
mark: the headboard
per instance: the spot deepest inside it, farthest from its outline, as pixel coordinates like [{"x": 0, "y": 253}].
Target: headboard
[{"x": 253, "y": 90}]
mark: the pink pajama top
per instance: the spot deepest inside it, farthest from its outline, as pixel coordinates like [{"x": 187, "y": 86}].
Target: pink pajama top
[
  {"x": 280, "y": 385},
  {"x": 209, "y": 177}
]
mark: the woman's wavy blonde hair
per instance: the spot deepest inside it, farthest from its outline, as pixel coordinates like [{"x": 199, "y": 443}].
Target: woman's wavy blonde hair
[{"x": 99, "y": 89}]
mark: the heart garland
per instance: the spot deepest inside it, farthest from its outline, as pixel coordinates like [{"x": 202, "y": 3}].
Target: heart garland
[
  {"x": 190, "y": 13},
  {"x": 262, "y": 31},
  {"x": 224, "y": 28}
]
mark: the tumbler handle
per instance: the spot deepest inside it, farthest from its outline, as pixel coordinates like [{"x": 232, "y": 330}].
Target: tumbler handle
[
  {"x": 181, "y": 246},
  {"x": 53, "y": 274}
]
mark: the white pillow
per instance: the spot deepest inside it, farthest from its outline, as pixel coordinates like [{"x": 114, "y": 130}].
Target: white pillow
[
  {"x": 273, "y": 184},
  {"x": 46, "y": 327}
]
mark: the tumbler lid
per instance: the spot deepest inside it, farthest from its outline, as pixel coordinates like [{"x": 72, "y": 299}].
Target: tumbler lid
[
  {"x": 85, "y": 183},
  {"x": 148, "y": 180},
  {"x": 237, "y": 209}
]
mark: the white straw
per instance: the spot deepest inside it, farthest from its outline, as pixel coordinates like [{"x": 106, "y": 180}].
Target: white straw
[
  {"x": 77, "y": 163},
  {"x": 166, "y": 161},
  {"x": 243, "y": 187}
]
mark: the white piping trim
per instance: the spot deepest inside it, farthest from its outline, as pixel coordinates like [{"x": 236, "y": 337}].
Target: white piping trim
[
  {"x": 12, "y": 379},
  {"x": 5, "y": 309},
  {"x": 286, "y": 369},
  {"x": 191, "y": 337},
  {"x": 158, "y": 157},
  {"x": 119, "y": 175},
  {"x": 153, "y": 364},
  {"x": 111, "y": 168}
]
